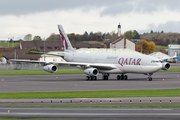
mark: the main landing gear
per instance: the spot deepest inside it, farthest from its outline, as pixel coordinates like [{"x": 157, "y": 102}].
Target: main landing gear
[
  {"x": 122, "y": 77},
  {"x": 105, "y": 76},
  {"x": 91, "y": 77}
]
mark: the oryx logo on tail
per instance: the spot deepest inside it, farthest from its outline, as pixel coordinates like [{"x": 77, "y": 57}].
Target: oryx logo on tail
[{"x": 65, "y": 41}]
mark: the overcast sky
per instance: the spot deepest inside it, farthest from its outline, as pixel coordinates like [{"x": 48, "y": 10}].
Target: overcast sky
[{"x": 40, "y": 17}]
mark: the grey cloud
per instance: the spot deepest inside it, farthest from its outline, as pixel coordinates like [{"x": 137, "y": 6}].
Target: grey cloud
[
  {"x": 142, "y": 6},
  {"x": 21, "y": 7},
  {"x": 112, "y": 7},
  {"x": 170, "y": 26}
]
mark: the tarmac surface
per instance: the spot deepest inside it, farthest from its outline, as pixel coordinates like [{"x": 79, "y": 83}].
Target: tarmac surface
[
  {"x": 77, "y": 82},
  {"x": 93, "y": 113}
]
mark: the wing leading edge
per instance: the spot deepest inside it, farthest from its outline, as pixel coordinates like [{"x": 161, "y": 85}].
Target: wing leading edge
[{"x": 100, "y": 66}]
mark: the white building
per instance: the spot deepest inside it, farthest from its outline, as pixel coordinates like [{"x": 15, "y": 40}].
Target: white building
[
  {"x": 119, "y": 42},
  {"x": 172, "y": 49}
]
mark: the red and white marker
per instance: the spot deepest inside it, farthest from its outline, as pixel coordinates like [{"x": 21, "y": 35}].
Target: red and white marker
[
  {"x": 2, "y": 80},
  {"x": 163, "y": 79},
  {"x": 56, "y": 77},
  {"x": 177, "y": 76}
]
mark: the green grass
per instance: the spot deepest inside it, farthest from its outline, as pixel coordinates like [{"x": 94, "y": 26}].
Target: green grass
[
  {"x": 60, "y": 71},
  {"x": 92, "y": 94},
  {"x": 161, "y": 47},
  {"x": 5, "y": 44},
  {"x": 40, "y": 72},
  {"x": 174, "y": 69}
]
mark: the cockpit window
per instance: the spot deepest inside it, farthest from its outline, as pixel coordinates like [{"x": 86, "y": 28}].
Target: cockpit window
[{"x": 155, "y": 61}]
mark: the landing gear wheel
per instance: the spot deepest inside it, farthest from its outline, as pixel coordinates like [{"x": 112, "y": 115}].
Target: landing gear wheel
[
  {"x": 87, "y": 78},
  {"x": 149, "y": 78},
  {"x": 105, "y": 77},
  {"x": 122, "y": 77},
  {"x": 118, "y": 77},
  {"x": 125, "y": 77}
]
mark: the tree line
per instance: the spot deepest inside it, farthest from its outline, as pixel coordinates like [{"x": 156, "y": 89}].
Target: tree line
[
  {"x": 97, "y": 36},
  {"x": 161, "y": 38}
]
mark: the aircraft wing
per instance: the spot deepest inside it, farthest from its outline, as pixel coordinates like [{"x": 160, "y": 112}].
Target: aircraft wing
[
  {"x": 175, "y": 56},
  {"x": 94, "y": 65},
  {"x": 100, "y": 66}
]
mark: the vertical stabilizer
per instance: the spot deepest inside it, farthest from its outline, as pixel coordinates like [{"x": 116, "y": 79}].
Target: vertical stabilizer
[{"x": 65, "y": 41}]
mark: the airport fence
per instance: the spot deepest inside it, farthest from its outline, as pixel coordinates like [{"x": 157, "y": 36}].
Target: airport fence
[{"x": 22, "y": 66}]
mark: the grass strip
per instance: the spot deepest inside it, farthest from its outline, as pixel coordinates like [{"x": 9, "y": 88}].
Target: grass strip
[
  {"x": 109, "y": 106},
  {"x": 8, "y": 44},
  {"x": 40, "y": 72},
  {"x": 174, "y": 69},
  {"x": 161, "y": 47},
  {"x": 92, "y": 94},
  {"x": 60, "y": 71}
]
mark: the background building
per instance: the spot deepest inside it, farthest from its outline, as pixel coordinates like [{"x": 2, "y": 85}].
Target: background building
[
  {"x": 119, "y": 42},
  {"x": 172, "y": 49}
]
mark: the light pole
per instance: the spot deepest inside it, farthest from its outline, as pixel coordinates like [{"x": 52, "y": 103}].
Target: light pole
[
  {"x": 8, "y": 41},
  {"x": 44, "y": 49},
  {"x": 12, "y": 41}
]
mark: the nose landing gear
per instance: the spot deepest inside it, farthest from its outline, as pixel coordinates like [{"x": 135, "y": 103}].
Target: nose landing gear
[{"x": 149, "y": 78}]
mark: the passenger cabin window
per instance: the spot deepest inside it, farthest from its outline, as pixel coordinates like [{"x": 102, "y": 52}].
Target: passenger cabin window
[{"x": 155, "y": 61}]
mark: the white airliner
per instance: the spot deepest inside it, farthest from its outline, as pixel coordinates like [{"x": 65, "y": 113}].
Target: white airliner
[{"x": 104, "y": 63}]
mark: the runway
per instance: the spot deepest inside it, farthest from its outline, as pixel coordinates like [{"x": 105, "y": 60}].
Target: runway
[
  {"x": 92, "y": 113},
  {"x": 77, "y": 82}
]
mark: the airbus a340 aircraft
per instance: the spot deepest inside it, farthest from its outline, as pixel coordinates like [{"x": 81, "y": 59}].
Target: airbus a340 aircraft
[{"x": 105, "y": 63}]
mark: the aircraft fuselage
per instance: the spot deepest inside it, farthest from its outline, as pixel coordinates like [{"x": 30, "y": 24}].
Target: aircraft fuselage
[{"x": 124, "y": 63}]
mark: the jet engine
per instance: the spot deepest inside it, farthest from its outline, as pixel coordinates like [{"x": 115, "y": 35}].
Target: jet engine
[
  {"x": 91, "y": 71},
  {"x": 50, "y": 68},
  {"x": 165, "y": 66}
]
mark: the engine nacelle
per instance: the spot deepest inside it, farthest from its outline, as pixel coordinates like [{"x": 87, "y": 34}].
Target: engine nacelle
[
  {"x": 50, "y": 68},
  {"x": 91, "y": 71},
  {"x": 166, "y": 66}
]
